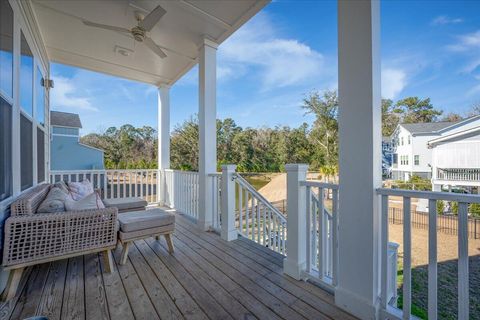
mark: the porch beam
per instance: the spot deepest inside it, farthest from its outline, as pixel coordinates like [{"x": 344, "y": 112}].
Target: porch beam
[
  {"x": 360, "y": 157},
  {"x": 207, "y": 115}
]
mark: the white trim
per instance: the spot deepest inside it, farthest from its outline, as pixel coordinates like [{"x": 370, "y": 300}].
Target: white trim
[
  {"x": 57, "y": 126},
  {"x": 66, "y": 135},
  {"x": 90, "y": 147},
  {"x": 434, "y": 142}
]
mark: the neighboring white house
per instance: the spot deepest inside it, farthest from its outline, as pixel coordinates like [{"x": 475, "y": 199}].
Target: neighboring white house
[
  {"x": 456, "y": 159},
  {"x": 412, "y": 156}
]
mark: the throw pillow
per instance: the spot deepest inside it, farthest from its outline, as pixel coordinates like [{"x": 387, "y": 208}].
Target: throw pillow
[
  {"x": 54, "y": 201},
  {"x": 62, "y": 186},
  {"x": 79, "y": 190},
  {"x": 92, "y": 201}
]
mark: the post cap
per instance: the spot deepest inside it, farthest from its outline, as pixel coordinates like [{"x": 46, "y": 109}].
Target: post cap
[
  {"x": 229, "y": 167},
  {"x": 296, "y": 167}
]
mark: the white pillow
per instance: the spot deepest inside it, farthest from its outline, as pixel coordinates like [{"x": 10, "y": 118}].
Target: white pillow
[
  {"x": 54, "y": 201},
  {"x": 92, "y": 201},
  {"x": 79, "y": 190}
]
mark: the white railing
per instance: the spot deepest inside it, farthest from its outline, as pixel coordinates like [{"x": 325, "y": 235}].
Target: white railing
[
  {"x": 322, "y": 228},
  {"x": 180, "y": 191},
  {"x": 463, "y": 276},
  {"x": 216, "y": 184},
  {"x": 116, "y": 183},
  {"x": 256, "y": 219},
  {"x": 458, "y": 174}
]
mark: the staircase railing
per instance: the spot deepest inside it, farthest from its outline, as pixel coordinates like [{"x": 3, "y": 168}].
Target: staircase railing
[{"x": 257, "y": 219}]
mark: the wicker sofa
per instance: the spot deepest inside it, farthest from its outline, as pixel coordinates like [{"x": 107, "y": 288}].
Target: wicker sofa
[{"x": 33, "y": 238}]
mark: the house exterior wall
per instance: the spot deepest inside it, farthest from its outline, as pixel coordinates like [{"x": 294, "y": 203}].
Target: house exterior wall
[
  {"x": 68, "y": 154},
  {"x": 458, "y": 154}
]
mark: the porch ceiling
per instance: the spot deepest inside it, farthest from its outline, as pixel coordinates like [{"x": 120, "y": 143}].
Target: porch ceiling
[{"x": 179, "y": 33}]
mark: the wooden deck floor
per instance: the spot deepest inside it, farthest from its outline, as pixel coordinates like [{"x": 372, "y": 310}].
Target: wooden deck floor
[{"x": 206, "y": 278}]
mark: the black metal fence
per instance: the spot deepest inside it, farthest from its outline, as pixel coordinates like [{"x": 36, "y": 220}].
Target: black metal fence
[{"x": 447, "y": 224}]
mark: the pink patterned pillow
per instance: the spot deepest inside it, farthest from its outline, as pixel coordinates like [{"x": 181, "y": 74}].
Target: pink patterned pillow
[{"x": 79, "y": 190}]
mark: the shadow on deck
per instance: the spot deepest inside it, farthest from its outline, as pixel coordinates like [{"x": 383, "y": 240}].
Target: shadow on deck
[{"x": 206, "y": 278}]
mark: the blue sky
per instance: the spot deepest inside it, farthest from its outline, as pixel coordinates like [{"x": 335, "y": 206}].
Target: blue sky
[{"x": 429, "y": 49}]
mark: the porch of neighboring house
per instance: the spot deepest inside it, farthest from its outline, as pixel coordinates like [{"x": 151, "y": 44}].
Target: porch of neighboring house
[{"x": 206, "y": 278}]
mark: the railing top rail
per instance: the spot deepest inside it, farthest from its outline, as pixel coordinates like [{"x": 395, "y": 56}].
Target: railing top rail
[
  {"x": 216, "y": 174},
  {"x": 448, "y": 196},
  {"x": 257, "y": 194},
  {"x": 180, "y": 171},
  {"x": 310, "y": 183},
  {"x": 98, "y": 171}
]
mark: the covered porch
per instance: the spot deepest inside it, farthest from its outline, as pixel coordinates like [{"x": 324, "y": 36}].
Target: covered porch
[
  {"x": 206, "y": 278},
  {"x": 335, "y": 236}
]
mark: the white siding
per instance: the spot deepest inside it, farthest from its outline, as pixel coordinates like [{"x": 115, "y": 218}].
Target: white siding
[{"x": 458, "y": 154}]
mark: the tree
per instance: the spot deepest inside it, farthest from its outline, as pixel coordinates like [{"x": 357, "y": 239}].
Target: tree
[
  {"x": 324, "y": 135},
  {"x": 415, "y": 110},
  {"x": 390, "y": 117},
  {"x": 452, "y": 117}
]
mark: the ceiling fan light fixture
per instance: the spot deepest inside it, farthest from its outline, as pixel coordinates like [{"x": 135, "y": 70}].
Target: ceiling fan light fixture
[{"x": 124, "y": 52}]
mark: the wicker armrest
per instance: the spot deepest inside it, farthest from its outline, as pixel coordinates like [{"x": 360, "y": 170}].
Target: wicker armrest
[{"x": 49, "y": 235}]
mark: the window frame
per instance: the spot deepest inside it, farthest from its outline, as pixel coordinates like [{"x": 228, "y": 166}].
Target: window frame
[{"x": 416, "y": 160}]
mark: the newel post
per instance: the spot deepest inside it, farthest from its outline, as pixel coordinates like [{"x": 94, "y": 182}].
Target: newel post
[
  {"x": 295, "y": 262},
  {"x": 228, "y": 231}
]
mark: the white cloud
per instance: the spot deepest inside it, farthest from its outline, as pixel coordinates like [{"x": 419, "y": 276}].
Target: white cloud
[
  {"x": 467, "y": 42},
  {"x": 280, "y": 61},
  {"x": 64, "y": 95},
  {"x": 442, "y": 20},
  {"x": 393, "y": 82}
]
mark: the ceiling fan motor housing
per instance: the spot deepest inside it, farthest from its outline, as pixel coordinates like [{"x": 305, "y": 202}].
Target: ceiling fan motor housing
[{"x": 138, "y": 33}]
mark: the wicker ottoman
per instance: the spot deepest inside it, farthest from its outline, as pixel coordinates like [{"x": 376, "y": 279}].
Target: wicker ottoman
[{"x": 136, "y": 225}]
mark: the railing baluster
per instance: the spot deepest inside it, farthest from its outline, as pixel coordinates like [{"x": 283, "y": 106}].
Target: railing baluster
[
  {"x": 432, "y": 259},
  {"x": 463, "y": 283},
  {"x": 384, "y": 233},
  {"x": 240, "y": 208},
  {"x": 308, "y": 207},
  {"x": 264, "y": 226},
  {"x": 407, "y": 258},
  {"x": 246, "y": 214},
  {"x": 258, "y": 222},
  {"x": 321, "y": 228},
  {"x": 334, "y": 243}
]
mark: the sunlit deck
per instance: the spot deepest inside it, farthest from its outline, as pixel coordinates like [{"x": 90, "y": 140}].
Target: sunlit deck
[{"x": 206, "y": 278}]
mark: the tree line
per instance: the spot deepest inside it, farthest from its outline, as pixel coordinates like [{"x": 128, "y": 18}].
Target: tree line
[{"x": 258, "y": 149}]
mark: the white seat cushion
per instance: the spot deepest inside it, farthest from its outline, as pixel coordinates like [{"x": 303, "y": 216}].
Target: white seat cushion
[
  {"x": 126, "y": 203},
  {"x": 148, "y": 219}
]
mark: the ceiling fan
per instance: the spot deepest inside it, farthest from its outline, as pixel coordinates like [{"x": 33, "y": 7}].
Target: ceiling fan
[{"x": 139, "y": 32}]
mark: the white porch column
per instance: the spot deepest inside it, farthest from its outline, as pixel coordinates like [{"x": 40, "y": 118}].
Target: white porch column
[
  {"x": 295, "y": 262},
  {"x": 163, "y": 139},
  {"x": 360, "y": 157},
  {"x": 207, "y": 117},
  {"x": 228, "y": 232}
]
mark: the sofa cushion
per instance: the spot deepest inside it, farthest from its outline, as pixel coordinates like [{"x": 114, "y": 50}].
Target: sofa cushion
[
  {"x": 92, "y": 201},
  {"x": 126, "y": 203},
  {"x": 140, "y": 220},
  {"x": 80, "y": 190},
  {"x": 54, "y": 201}
]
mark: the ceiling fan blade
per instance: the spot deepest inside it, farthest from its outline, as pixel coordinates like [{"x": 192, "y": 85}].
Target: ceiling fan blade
[
  {"x": 154, "y": 47},
  {"x": 152, "y": 18},
  {"x": 104, "y": 26}
]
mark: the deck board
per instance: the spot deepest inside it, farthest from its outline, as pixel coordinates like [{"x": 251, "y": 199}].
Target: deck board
[{"x": 206, "y": 278}]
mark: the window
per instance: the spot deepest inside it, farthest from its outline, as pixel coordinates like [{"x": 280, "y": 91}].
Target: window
[
  {"x": 416, "y": 160},
  {"x": 406, "y": 160},
  {"x": 408, "y": 139},
  {"x": 26, "y": 153},
  {"x": 26, "y": 77},
  {"x": 401, "y": 141},
  {"x": 39, "y": 98},
  {"x": 6, "y": 49},
  {"x": 40, "y": 155},
  {"x": 5, "y": 150},
  {"x": 395, "y": 158}
]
